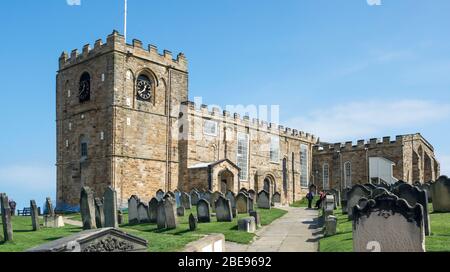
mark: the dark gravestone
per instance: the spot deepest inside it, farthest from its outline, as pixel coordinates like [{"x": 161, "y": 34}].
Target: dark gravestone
[
  {"x": 264, "y": 200},
  {"x": 193, "y": 222},
  {"x": 13, "y": 206},
  {"x": 251, "y": 204},
  {"x": 87, "y": 208},
  {"x": 180, "y": 211},
  {"x": 161, "y": 215},
  {"x": 242, "y": 204},
  {"x": 388, "y": 224},
  {"x": 232, "y": 197},
  {"x": 152, "y": 210},
  {"x": 207, "y": 196},
  {"x": 214, "y": 198},
  {"x": 257, "y": 217},
  {"x": 223, "y": 210},
  {"x": 133, "y": 203},
  {"x": 243, "y": 190},
  {"x": 276, "y": 198},
  {"x": 440, "y": 191},
  {"x": 171, "y": 194},
  {"x": 160, "y": 194},
  {"x": 186, "y": 201},
  {"x": 344, "y": 200},
  {"x": 34, "y": 215},
  {"x": 252, "y": 194},
  {"x": 99, "y": 213},
  {"x": 370, "y": 186},
  {"x": 49, "y": 207},
  {"x": 354, "y": 195},
  {"x": 143, "y": 213},
  {"x": 6, "y": 218},
  {"x": 170, "y": 214},
  {"x": 414, "y": 196},
  {"x": 203, "y": 212},
  {"x": 195, "y": 197},
  {"x": 110, "y": 208}
]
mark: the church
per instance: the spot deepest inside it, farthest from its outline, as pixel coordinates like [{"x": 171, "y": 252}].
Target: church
[{"x": 124, "y": 120}]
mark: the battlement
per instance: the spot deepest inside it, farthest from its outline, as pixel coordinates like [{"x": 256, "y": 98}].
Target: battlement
[
  {"x": 116, "y": 42},
  {"x": 360, "y": 144},
  {"x": 257, "y": 124}
]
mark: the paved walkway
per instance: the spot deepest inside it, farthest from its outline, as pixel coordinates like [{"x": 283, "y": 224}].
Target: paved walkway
[
  {"x": 297, "y": 231},
  {"x": 72, "y": 222}
]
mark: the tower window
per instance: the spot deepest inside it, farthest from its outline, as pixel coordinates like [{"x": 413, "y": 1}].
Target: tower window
[
  {"x": 85, "y": 88},
  {"x": 348, "y": 174},
  {"x": 274, "y": 149},
  {"x": 304, "y": 164},
  {"x": 83, "y": 147},
  {"x": 242, "y": 155}
]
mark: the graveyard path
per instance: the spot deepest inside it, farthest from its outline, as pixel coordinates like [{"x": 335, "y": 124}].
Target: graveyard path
[
  {"x": 297, "y": 231},
  {"x": 72, "y": 222}
]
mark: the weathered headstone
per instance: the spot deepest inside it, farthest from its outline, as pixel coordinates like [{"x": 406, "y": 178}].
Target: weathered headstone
[
  {"x": 110, "y": 208},
  {"x": 247, "y": 224},
  {"x": 223, "y": 209},
  {"x": 87, "y": 208},
  {"x": 207, "y": 196},
  {"x": 232, "y": 197},
  {"x": 414, "y": 195},
  {"x": 257, "y": 217},
  {"x": 344, "y": 200},
  {"x": 440, "y": 191},
  {"x": 161, "y": 215},
  {"x": 354, "y": 195},
  {"x": 153, "y": 210},
  {"x": 13, "y": 206},
  {"x": 186, "y": 201},
  {"x": 195, "y": 197},
  {"x": 99, "y": 213},
  {"x": 276, "y": 198},
  {"x": 328, "y": 206},
  {"x": 193, "y": 222},
  {"x": 142, "y": 209},
  {"x": 49, "y": 207},
  {"x": 160, "y": 195},
  {"x": 171, "y": 194},
  {"x": 388, "y": 224},
  {"x": 330, "y": 225},
  {"x": 34, "y": 215},
  {"x": 133, "y": 203},
  {"x": 264, "y": 200},
  {"x": 203, "y": 212},
  {"x": 180, "y": 211},
  {"x": 170, "y": 214},
  {"x": 177, "y": 194},
  {"x": 214, "y": 198},
  {"x": 6, "y": 218},
  {"x": 242, "y": 203},
  {"x": 251, "y": 204}
]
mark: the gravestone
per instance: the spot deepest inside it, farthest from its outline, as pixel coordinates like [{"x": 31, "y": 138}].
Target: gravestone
[
  {"x": 186, "y": 201},
  {"x": 276, "y": 198},
  {"x": 110, "y": 208},
  {"x": 195, "y": 197},
  {"x": 160, "y": 195},
  {"x": 49, "y": 207},
  {"x": 223, "y": 210},
  {"x": 87, "y": 208},
  {"x": 247, "y": 224},
  {"x": 264, "y": 200},
  {"x": 207, "y": 196},
  {"x": 242, "y": 204},
  {"x": 203, "y": 212},
  {"x": 193, "y": 222},
  {"x": 6, "y": 218},
  {"x": 142, "y": 210},
  {"x": 330, "y": 225},
  {"x": 232, "y": 197},
  {"x": 178, "y": 198},
  {"x": 440, "y": 191},
  {"x": 133, "y": 203},
  {"x": 379, "y": 191},
  {"x": 13, "y": 206},
  {"x": 370, "y": 186},
  {"x": 328, "y": 206},
  {"x": 234, "y": 212},
  {"x": 99, "y": 213},
  {"x": 257, "y": 217},
  {"x": 388, "y": 224},
  {"x": 427, "y": 187},
  {"x": 251, "y": 204},
  {"x": 252, "y": 194},
  {"x": 344, "y": 200},
  {"x": 354, "y": 195},
  {"x": 34, "y": 215},
  {"x": 153, "y": 210},
  {"x": 161, "y": 215},
  {"x": 119, "y": 217},
  {"x": 171, "y": 194},
  {"x": 337, "y": 197},
  {"x": 413, "y": 195},
  {"x": 170, "y": 211},
  {"x": 214, "y": 198},
  {"x": 180, "y": 211},
  {"x": 54, "y": 221},
  {"x": 243, "y": 190}
]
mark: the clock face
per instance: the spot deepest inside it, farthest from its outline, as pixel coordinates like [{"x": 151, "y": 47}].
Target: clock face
[
  {"x": 85, "y": 91},
  {"x": 144, "y": 88}
]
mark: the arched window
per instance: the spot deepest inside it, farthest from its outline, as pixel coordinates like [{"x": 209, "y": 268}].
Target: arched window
[
  {"x": 326, "y": 176},
  {"x": 144, "y": 88},
  {"x": 285, "y": 175},
  {"x": 83, "y": 148},
  {"x": 348, "y": 174},
  {"x": 304, "y": 169},
  {"x": 84, "y": 91}
]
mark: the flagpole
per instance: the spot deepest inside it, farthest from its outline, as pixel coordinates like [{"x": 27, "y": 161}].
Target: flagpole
[{"x": 125, "y": 21}]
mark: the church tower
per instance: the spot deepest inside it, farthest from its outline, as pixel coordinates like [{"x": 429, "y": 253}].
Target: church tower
[{"x": 117, "y": 106}]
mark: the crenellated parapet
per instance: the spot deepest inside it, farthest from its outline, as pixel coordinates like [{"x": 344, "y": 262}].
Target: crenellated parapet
[
  {"x": 360, "y": 145},
  {"x": 115, "y": 42},
  {"x": 235, "y": 118}
]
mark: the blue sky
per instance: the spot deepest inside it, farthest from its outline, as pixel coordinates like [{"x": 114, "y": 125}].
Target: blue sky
[{"x": 341, "y": 69}]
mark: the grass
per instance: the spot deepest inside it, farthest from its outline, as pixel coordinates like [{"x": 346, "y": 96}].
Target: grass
[
  {"x": 438, "y": 241},
  {"x": 159, "y": 240},
  {"x": 304, "y": 202}
]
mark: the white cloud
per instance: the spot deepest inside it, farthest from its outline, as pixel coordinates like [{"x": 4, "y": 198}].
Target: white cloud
[
  {"x": 73, "y": 2},
  {"x": 28, "y": 177},
  {"x": 369, "y": 118}
]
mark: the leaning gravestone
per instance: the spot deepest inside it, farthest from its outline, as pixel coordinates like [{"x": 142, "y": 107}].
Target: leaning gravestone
[
  {"x": 110, "y": 208},
  {"x": 6, "y": 218},
  {"x": 276, "y": 198},
  {"x": 264, "y": 200},
  {"x": 161, "y": 215},
  {"x": 133, "y": 203},
  {"x": 193, "y": 222},
  {"x": 34, "y": 215},
  {"x": 142, "y": 209},
  {"x": 152, "y": 210},
  {"x": 242, "y": 203},
  {"x": 440, "y": 191},
  {"x": 388, "y": 224},
  {"x": 87, "y": 208},
  {"x": 160, "y": 194},
  {"x": 170, "y": 211},
  {"x": 49, "y": 207},
  {"x": 223, "y": 210},
  {"x": 195, "y": 197},
  {"x": 186, "y": 201},
  {"x": 354, "y": 195},
  {"x": 231, "y": 196},
  {"x": 99, "y": 213},
  {"x": 413, "y": 195},
  {"x": 203, "y": 212}
]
